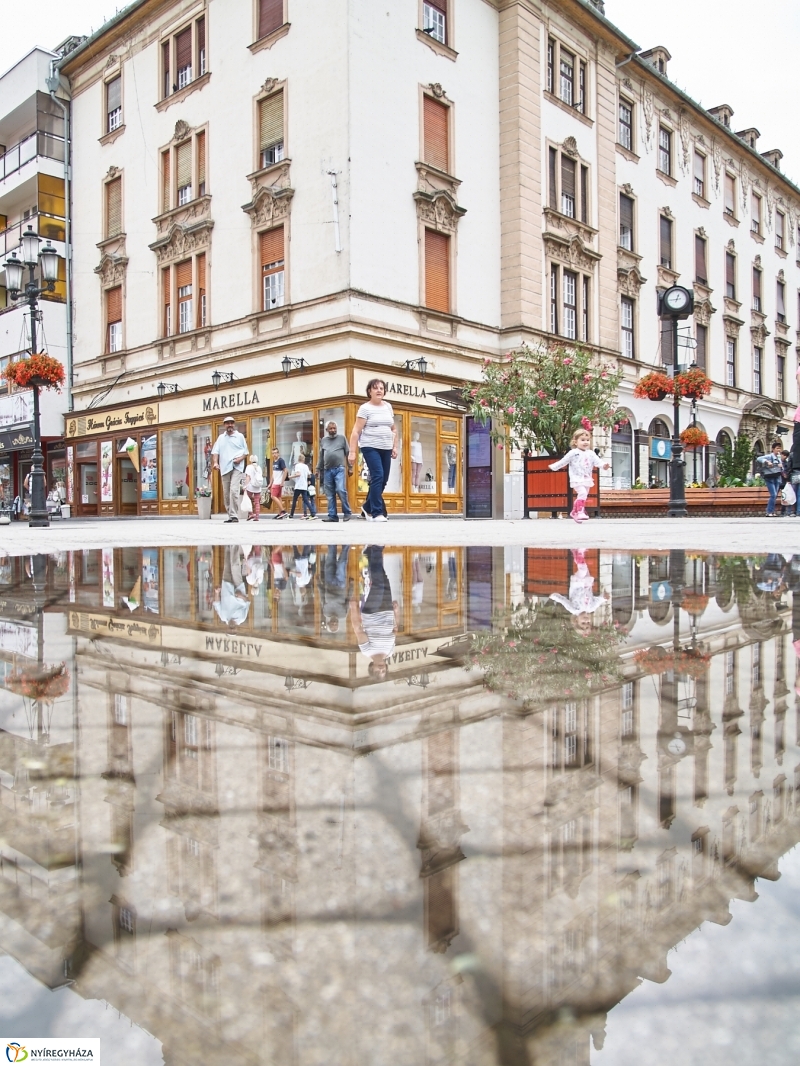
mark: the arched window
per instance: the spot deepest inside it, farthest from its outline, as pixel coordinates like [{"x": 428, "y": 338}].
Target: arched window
[
  {"x": 622, "y": 455},
  {"x": 660, "y": 454}
]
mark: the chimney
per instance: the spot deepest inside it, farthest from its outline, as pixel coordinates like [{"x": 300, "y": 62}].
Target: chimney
[
  {"x": 773, "y": 157},
  {"x": 723, "y": 114},
  {"x": 657, "y": 57},
  {"x": 749, "y": 136},
  {"x": 599, "y": 5}
]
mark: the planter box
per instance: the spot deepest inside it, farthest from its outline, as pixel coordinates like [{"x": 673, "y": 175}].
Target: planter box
[
  {"x": 720, "y": 503},
  {"x": 548, "y": 490},
  {"x": 203, "y": 506}
]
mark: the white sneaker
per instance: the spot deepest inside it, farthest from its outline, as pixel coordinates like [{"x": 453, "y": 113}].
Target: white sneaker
[{"x": 380, "y": 518}]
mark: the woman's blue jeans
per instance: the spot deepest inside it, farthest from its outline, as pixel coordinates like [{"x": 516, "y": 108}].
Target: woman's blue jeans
[
  {"x": 773, "y": 484},
  {"x": 379, "y": 463}
]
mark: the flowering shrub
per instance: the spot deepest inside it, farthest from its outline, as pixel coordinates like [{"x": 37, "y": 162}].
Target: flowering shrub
[
  {"x": 537, "y": 397},
  {"x": 39, "y": 683},
  {"x": 694, "y": 437},
  {"x": 40, "y": 369},
  {"x": 693, "y": 384},
  {"x": 203, "y": 491},
  {"x": 653, "y": 386},
  {"x": 659, "y": 660}
]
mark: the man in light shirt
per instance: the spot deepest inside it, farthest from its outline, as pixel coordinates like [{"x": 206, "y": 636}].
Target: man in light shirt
[{"x": 228, "y": 456}]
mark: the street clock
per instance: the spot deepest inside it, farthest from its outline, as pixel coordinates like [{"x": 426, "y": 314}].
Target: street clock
[{"x": 676, "y": 302}]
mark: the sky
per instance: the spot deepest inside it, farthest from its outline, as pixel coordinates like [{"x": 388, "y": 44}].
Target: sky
[{"x": 721, "y": 49}]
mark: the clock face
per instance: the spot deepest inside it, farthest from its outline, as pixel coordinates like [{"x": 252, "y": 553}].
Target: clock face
[
  {"x": 675, "y": 299},
  {"x": 676, "y": 746}
]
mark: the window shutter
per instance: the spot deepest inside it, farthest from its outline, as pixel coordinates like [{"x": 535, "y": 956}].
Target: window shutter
[
  {"x": 114, "y": 207},
  {"x": 165, "y": 171},
  {"x": 584, "y": 194},
  {"x": 567, "y": 177},
  {"x": 183, "y": 48},
  {"x": 437, "y": 271},
  {"x": 700, "y": 259},
  {"x": 271, "y": 120},
  {"x": 272, "y": 252},
  {"x": 699, "y": 168},
  {"x": 114, "y": 305},
  {"x": 201, "y": 287},
  {"x": 700, "y": 351},
  {"x": 626, "y": 212},
  {"x": 757, "y": 284},
  {"x": 166, "y": 285},
  {"x": 201, "y": 37},
  {"x": 270, "y": 16},
  {"x": 114, "y": 95},
  {"x": 666, "y": 241},
  {"x": 729, "y": 194},
  {"x": 730, "y": 269},
  {"x": 165, "y": 47},
  {"x": 781, "y": 308},
  {"x": 668, "y": 327},
  {"x": 441, "y": 905},
  {"x": 201, "y": 160},
  {"x": 436, "y": 121},
  {"x": 552, "y": 179},
  {"x": 183, "y": 274},
  {"x": 184, "y": 164}
]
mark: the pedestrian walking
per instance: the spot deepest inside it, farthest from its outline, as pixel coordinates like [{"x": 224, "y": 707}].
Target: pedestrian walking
[
  {"x": 276, "y": 483},
  {"x": 581, "y": 461},
  {"x": 228, "y": 456},
  {"x": 334, "y": 598},
  {"x": 376, "y": 434},
  {"x": 231, "y": 601},
  {"x": 253, "y": 484},
  {"x": 331, "y": 466},
  {"x": 770, "y": 466},
  {"x": 301, "y": 474},
  {"x": 375, "y": 621}
]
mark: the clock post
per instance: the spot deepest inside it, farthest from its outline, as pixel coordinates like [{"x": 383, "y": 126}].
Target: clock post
[{"x": 674, "y": 304}]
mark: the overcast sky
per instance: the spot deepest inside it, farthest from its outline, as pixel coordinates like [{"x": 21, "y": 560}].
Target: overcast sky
[{"x": 724, "y": 51}]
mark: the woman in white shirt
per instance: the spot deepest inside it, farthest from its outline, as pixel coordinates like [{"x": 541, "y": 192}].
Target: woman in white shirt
[
  {"x": 376, "y": 434},
  {"x": 253, "y": 484}
]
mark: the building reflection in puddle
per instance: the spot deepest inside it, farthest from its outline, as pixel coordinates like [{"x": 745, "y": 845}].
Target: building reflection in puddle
[{"x": 298, "y": 804}]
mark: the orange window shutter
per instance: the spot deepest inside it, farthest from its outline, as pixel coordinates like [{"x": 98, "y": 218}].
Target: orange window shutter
[
  {"x": 201, "y": 272},
  {"x": 183, "y": 274},
  {"x": 437, "y": 271},
  {"x": 270, "y": 16},
  {"x": 272, "y": 248},
  {"x": 183, "y": 49},
  {"x": 436, "y": 122},
  {"x": 201, "y": 159},
  {"x": 114, "y": 207},
  {"x": 165, "y": 174},
  {"x": 114, "y": 305},
  {"x": 183, "y": 164}
]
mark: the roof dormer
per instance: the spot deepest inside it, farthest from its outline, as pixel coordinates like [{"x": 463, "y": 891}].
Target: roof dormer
[
  {"x": 773, "y": 157},
  {"x": 723, "y": 113},
  {"x": 750, "y": 136},
  {"x": 657, "y": 57}
]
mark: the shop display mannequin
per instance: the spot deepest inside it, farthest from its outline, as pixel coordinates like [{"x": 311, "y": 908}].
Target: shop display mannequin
[
  {"x": 416, "y": 461},
  {"x": 298, "y": 447},
  {"x": 451, "y": 455}
]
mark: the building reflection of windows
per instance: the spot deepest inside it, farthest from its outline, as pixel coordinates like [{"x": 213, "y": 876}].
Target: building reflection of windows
[
  {"x": 729, "y": 836},
  {"x": 665, "y": 878},
  {"x": 442, "y": 1010},
  {"x": 778, "y": 799},
  {"x": 195, "y": 975},
  {"x": 569, "y": 855},
  {"x": 277, "y": 840},
  {"x": 177, "y": 584},
  {"x": 123, "y": 920},
  {"x": 628, "y": 901},
  {"x": 570, "y": 736},
  {"x": 756, "y": 813},
  {"x": 628, "y": 801},
  {"x": 622, "y": 567},
  {"x": 666, "y": 796},
  {"x": 700, "y": 856}
]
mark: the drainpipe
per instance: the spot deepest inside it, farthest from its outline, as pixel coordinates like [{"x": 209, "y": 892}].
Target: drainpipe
[
  {"x": 53, "y": 83},
  {"x": 624, "y": 62}
]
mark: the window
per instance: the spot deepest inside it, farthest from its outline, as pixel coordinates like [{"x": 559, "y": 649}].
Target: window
[
  {"x": 200, "y": 142},
  {"x": 730, "y": 276},
  {"x": 271, "y": 244},
  {"x": 626, "y": 222},
  {"x": 436, "y": 127},
  {"x": 669, "y": 330},
  {"x": 271, "y": 135},
  {"x": 434, "y": 17},
  {"x": 664, "y": 150},
  {"x": 114, "y": 319},
  {"x": 185, "y": 162},
  {"x": 758, "y": 355},
  {"x": 780, "y": 301},
  {"x": 113, "y": 104},
  {"x": 755, "y": 219},
  {"x": 585, "y": 308},
  {"x": 566, "y": 77},
  {"x": 700, "y": 268},
  {"x": 166, "y": 158},
  {"x": 584, "y": 194},
  {"x": 183, "y": 57},
  {"x": 571, "y": 72},
  {"x": 666, "y": 242},
  {"x": 563, "y": 192},
  {"x": 730, "y": 362},
  {"x": 701, "y": 345},
  {"x": 183, "y": 282},
  {"x": 551, "y": 53},
  {"x": 625, "y": 132},
  {"x": 756, "y": 289},
  {"x": 201, "y": 290},
  {"x": 730, "y": 196},
  {"x": 166, "y": 288},
  {"x": 553, "y": 299},
  {"x": 278, "y": 755},
  {"x": 581, "y": 104},
  {"x": 567, "y": 186},
  {"x": 779, "y": 229},
  {"x": 270, "y": 17},
  {"x": 183, "y": 172},
  {"x": 437, "y": 271},
  {"x": 570, "y": 304},
  {"x": 628, "y": 340},
  {"x": 781, "y": 377},
  {"x": 699, "y": 185},
  {"x": 113, "y": 207}
]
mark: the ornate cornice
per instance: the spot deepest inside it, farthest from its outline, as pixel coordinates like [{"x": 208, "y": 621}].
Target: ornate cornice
[
  {"x": 629, "y": 280},
  {"x": 703, "y": 310},
  {"x": 438, "y": 209},
  {"x": 111, "y": 269},
  {"x": 182, "y": 240},
  {"x": 270, "y": 204},
  {"x": 187, "y": 215},
  {"x": 570, "y": 250}
]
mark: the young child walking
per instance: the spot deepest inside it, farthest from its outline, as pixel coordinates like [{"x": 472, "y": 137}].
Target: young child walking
[{"x": 581, "y": 461}]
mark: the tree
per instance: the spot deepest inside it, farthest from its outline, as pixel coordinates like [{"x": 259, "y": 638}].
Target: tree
[
  {"x": 537, "y": 397},
  {"x": 733, "y": 463}
]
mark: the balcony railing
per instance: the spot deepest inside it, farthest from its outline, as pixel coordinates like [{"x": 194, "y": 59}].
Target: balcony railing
[
  {"x": 38, "y": 143},
  {"x": 51, "y": 227}
]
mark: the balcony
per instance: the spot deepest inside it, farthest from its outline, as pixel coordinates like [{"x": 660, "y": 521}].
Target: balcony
[{"x": 38, "y": 143}]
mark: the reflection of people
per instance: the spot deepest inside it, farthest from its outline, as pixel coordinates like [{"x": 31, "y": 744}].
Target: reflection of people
[
  {"x": 416, "y": 461},
  {"x": 299, "y": 447},
  {"x": 376, "y": 434},
  {"x": 375, "y": 624},
  {"x": 228, "y": 455},
  {"x": 582, "y": 602},
  {"x": 334, "y": 604},
  {"x": 231, "y": 601},
  {"x": 581, "y": 461},
  {"x": 331, "y": 467}
]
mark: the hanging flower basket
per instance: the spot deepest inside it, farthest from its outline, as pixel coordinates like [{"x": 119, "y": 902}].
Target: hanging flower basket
[
  {"x": 659, "y": 660},
  {"x": 694, "y": 384},
  {"x": 39, "y": 371},
  {"x": 695, "y": 602},
  {"x": 694, "y": 437},
  {"x": 39, "y": 682},
  {"x": 653, "y": 386}
]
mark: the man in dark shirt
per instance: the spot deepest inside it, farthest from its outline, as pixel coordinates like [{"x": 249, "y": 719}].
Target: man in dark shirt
[{"x": 332, "y": 463}]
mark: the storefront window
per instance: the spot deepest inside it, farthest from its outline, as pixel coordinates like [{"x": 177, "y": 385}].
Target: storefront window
[
  {"x": 175, "y": 464},
  {"x": 449, "y": 480},
  {"x": 423, "y": 455},
  {"x": 87, "y": 450},
  {"x": 150, "y": 575},
  {"x": 295, "y": 435},
  {"x": 106, "y": 471},
  {"x": 202, "y": 455},
  {"x": 622, "y": 456},
  {"x": 148, "y": 467},
  {"x": 126, "y": 473},
  {"x": 204, "y": 583},
  {"x": 424, "y": 591},
  {"x": 177, "y": 584},
  {"x": 88, "y": 475},
  {"x": 6, "y": 488},
  {"x": 260, "y": 430},
  {"x": 57, "y": 473}
]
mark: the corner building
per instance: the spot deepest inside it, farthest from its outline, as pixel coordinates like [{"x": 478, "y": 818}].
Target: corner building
[{"x": 288, "y": 201}]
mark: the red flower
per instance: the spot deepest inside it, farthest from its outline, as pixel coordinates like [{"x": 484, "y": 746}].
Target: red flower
[
  {"x": 652, "y": 385},
  {"x": 46, "y": 372}
]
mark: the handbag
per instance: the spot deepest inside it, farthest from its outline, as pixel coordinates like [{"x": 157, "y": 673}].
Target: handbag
[
  {"x": 245, "y": 504},
  {"x": 312, "y": 491},
  {"x": 788, "y": 495}
]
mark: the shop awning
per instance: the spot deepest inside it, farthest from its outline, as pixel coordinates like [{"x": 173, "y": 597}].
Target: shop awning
[{"x": 452, "y": 398}]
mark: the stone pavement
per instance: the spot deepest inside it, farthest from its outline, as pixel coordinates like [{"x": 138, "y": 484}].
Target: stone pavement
[{"x": 735, "y": 535}]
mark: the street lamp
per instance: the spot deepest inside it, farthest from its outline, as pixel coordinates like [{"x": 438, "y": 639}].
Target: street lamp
[
  {"x": 674, "y": 304},
  {"x": 216, "y": 378},
  {"x": 420, "y": 364},
  {"x": 163, "y": 387},
  {"x": 29, "y": 292},
  {"x": 287, "y": 365}
]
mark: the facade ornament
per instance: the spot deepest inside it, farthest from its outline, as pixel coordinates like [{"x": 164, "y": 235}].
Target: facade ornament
[
  {"x": 630, "y": 281},
  {"x": 628, "y": 83},
  {"x": 716, "y": 159},
  {"x": 686, "y": 140},
  {"x": 703, "y": 310},
  {"x": 760, "y": 334},
  {"x": 270, "y": 204},
  {"x": 572, "y": 251},
  {"x": 781, "y": 275},
  {"x": 438, "y": 209},
  {"x": 111, "y": 270},
  {"x": 745, "y": 180},
  {"x": 187, "y": 215},
  {"x": 667, "y": 212},
  {"x": 570, "y": 146},
  {"x": 627, "y": 188},
  {"x": 702, "y": 233},
  {"x": 732, "y": 326},
  {"x": 700, "y": 138},
  {"x": 181, "y": 241},
  {"x": 757, "y": 261},
  {"x": 437, "y": 90},
  {"x": 731, "y": 245},
  {"x": 769, "y": 197},
  {"x": 182, "y": 130},
  {"x": 111, "y": 61},
  {"x": 665, "y": 112},
  {"x": 268, "y": 86},
  {"x": 112, "y": 172},
  {"x": 648, "y": 110}
]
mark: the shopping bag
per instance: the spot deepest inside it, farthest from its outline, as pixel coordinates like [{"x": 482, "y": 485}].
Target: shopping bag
[
  {"x": 246, "y": 504},
  {"x": 788, "y": 495}
]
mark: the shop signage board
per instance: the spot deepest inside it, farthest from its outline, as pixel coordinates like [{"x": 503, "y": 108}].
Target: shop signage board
[
  {"x": 16, "y": 408},
  {"x": 17, "y": 439},
  {"x": 122, "y": 420},
  {"x": 402, "y": 389}
]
